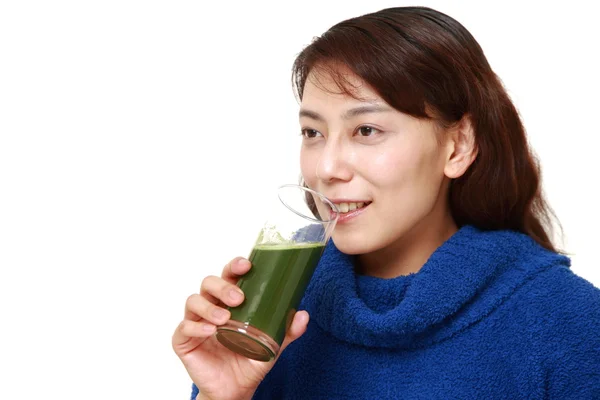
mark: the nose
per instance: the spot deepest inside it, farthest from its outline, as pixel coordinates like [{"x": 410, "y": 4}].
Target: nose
[{"x": 334, "y": 162}]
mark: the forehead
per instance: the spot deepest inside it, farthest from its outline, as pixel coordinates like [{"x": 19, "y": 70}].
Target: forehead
[{"x": 339, "y": 85}]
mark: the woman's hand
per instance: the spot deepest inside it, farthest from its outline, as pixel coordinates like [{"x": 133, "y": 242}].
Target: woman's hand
[{"x": 218, "y": 372}]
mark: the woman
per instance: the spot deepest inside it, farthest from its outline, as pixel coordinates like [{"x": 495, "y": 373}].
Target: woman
[{"x": 441, "y": 281}]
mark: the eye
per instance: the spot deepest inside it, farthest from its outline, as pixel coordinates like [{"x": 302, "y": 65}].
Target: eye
[
  {"x": 310, "y": 133},
  {"x": 366, "y": 131}
]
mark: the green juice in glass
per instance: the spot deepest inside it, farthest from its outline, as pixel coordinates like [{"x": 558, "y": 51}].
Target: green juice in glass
[{"x": 273, "y": 289}]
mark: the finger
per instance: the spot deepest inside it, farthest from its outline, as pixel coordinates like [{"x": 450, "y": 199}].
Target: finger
[
  {"x": 226, "y": 292},
  {"x": 296, "y": 329},
  {"x": 198, "y": 308},
  {"x": 236, "y": 268},
  {"x": 188, "y": 331}
]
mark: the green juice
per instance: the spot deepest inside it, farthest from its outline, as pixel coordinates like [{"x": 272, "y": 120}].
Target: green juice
[{"x": 274, "y": 287}]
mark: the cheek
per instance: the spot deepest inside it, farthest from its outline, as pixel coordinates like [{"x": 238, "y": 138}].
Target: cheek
[
  {"x": 391, "y": 165},
  {"x": 405, "y": 166},
  {"x": 308, "y": 166}
]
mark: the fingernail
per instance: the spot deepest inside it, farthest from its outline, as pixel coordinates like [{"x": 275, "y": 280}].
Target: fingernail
[
  {"x": 208, "y": 328},
  {"x": 219, "y": 313},
  {"x": 235, "y": 295}
]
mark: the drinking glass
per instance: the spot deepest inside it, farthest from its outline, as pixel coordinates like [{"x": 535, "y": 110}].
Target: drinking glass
[{"x": 284, "y": 257}]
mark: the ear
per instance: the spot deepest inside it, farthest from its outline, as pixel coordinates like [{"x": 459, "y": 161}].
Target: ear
[{"x": 462, "y": 148}]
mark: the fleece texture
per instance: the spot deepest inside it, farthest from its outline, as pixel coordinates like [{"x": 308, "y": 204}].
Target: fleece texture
[{"x": 491, "y": 315}]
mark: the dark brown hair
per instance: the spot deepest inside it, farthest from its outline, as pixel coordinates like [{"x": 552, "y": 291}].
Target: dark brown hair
[{"x": 426, "y": 64}]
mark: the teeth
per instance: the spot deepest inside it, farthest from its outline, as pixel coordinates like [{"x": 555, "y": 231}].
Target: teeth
[{"x": 345, "y": 207}]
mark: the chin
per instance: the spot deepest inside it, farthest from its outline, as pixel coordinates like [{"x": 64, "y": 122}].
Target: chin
[{"x": 353, "y": 244}]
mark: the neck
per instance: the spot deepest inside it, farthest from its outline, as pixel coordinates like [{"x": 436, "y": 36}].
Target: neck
[{"x": 410, "y": 252}]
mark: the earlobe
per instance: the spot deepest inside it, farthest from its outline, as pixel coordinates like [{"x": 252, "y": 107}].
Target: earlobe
[{"x": 464, "y": 148}]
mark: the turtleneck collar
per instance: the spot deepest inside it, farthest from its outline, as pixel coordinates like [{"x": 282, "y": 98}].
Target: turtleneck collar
[{"x": 468, "y": 276}]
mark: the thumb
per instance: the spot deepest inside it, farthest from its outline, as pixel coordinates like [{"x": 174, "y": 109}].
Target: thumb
[{"x": 296, "y": 329}]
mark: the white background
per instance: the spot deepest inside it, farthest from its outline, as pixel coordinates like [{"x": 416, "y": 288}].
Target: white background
[{"x": 138, "y": 139}]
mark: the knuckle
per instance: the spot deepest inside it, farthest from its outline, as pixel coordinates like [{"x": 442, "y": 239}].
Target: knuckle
[
  {"x": 207, "y": 281},
  {"x": 184, "y": 326},
  {"x": 191, "y": 300}
]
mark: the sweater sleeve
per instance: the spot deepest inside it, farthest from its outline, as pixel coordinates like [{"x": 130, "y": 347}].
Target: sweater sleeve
[{"x": 573, "y": 342}]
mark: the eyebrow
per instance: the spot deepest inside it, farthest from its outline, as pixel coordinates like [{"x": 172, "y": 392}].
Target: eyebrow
[{"x": 353, "y": 112}]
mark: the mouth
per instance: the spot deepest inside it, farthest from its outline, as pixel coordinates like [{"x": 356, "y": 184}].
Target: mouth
[
  {"x": 348, "y": 209},
  {"x": 345, "y": 208}
]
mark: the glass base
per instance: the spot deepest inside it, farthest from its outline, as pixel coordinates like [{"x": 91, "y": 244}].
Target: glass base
[{"x": 248, "y": 341}]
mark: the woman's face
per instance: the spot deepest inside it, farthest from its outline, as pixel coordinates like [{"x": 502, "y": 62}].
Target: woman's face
[{"x": 366, "y": 154}]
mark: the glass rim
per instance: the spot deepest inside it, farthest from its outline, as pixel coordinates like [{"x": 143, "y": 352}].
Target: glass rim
[{"x": 323, "y": 198}]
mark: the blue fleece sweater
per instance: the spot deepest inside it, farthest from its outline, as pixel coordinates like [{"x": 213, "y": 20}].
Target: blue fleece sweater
[{"x": 491, "y": 315}]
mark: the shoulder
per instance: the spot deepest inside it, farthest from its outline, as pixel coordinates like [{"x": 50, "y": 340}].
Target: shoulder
[
  {"x": 551, "y": 297},
  {"x": 562, "y": 304},
  {"x": 564, "y": 320},
  {"x": 563, "y": 296}
]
